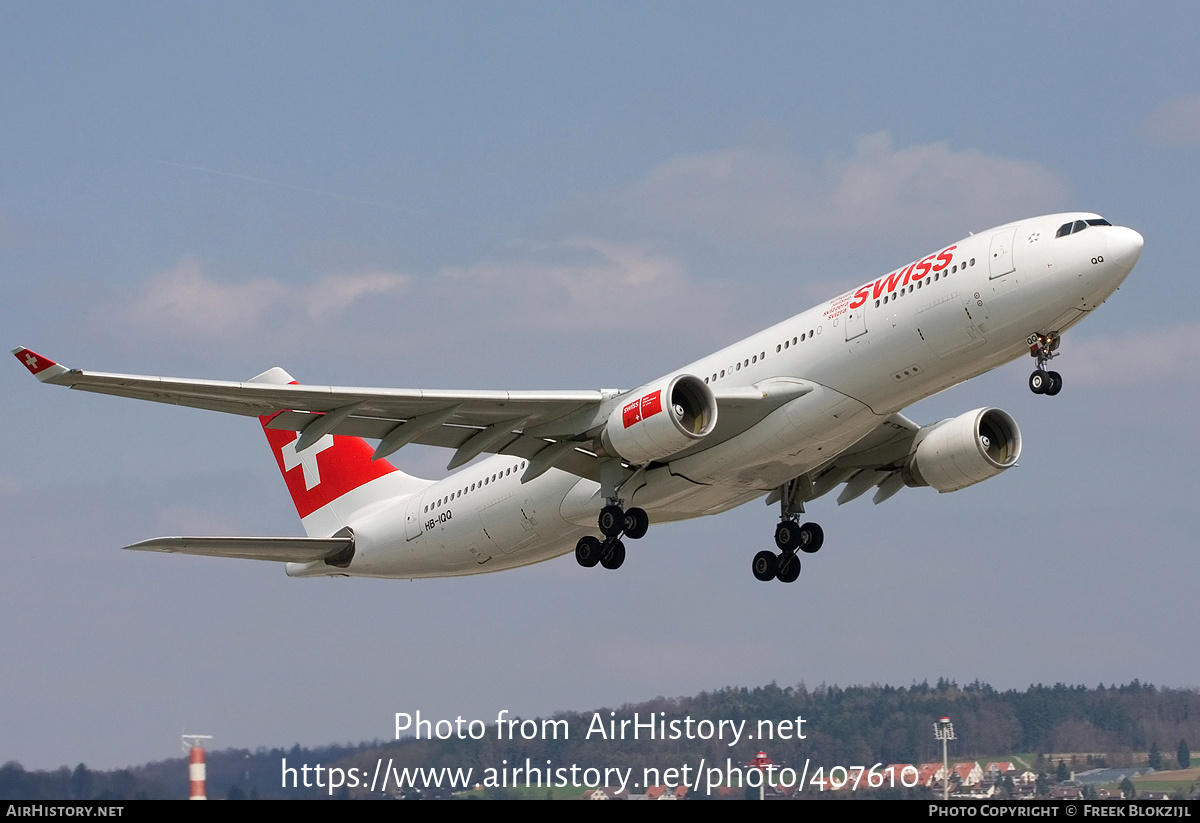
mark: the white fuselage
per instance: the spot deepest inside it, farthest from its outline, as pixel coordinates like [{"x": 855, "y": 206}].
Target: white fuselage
[{"x": 864, "y": 355}]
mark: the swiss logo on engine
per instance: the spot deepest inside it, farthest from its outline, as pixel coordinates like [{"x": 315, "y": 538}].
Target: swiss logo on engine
[{"x": 642, "y": 408}]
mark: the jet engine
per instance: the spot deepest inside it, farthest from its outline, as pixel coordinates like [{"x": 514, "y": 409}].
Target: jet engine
[
  {"x": 660, "y": 419},
  {"x": 963, "y": 450}
]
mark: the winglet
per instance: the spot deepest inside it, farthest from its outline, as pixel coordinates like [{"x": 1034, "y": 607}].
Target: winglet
[{"x": 43, "y": 368}]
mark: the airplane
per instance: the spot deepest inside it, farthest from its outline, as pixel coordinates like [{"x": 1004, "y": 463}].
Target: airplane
[{"x": 789, "y": 414}]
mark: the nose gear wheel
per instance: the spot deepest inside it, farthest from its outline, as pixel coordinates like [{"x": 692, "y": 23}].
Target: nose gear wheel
[{"x": 1044, "y": 347}]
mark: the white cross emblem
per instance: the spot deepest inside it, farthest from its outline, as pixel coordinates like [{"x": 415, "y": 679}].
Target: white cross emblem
[
  {"x": 31, "y": 361},
  {"x": 307, "y": 459}
]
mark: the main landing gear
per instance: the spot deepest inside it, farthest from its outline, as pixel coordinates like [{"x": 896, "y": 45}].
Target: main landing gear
[
  {"x": 790, "y": 537},
  {"x": 614, "y": 523},
  {"x": 1044, "y": 347}
]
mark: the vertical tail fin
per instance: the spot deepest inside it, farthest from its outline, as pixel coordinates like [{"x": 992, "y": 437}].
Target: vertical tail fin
[{"x": 333, "y": 480}]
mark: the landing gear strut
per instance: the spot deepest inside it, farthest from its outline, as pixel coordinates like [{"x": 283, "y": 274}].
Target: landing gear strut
[
  {"x": 614, "y": 522},
  {"x": 790, "y": 536},
  {"x": 1043, "y": 347}
]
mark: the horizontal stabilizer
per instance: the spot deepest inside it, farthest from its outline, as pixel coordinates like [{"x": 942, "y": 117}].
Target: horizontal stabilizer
[{"x": 279, "y": 549}]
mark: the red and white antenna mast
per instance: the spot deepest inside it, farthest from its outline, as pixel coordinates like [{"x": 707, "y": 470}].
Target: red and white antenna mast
[{"x": 193, "y": 744}]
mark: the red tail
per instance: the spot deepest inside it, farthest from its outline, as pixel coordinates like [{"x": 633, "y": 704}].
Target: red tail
[{"x": 326, "y": 470}]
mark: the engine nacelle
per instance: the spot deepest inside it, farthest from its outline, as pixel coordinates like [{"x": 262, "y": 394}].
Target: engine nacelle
[
  {"x": 660, "y": 420},
  {"x": 964, "y": 450}
]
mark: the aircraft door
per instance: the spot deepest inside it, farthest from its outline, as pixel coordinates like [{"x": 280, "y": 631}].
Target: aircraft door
[
  {"x": 1000, "y": 257},
  {"x": 412, "y": 517},
  {"x": 856, "y": 322}
]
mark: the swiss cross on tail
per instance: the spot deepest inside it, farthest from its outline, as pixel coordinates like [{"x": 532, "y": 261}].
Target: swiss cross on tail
[{"x": 326, "y": 470}]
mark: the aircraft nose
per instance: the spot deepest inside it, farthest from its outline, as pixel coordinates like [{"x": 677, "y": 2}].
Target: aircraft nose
[{"x": 1124, "y": 247}]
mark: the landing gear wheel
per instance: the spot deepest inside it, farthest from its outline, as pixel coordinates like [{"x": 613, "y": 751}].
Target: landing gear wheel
[
  {"x": 765, "y": 565},
  {"x": 789, "y": 568},
  {"x": 811, "y": 537},
  {"x": 1039, "y": 382},
  {"x": 787, "y": 536},
  {"x": 612, "y": 555},
  {"x": 1055, "y": 383},
  {"x": 587, "y": 551},
  {"x": 636, "y": 523},
  {"x": 611, "y": 521}
]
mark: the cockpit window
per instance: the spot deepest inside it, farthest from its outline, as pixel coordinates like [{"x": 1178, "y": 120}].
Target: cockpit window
[{"x": 1080, "y": 225}]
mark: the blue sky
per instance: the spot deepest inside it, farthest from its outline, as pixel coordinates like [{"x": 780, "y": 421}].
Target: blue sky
[{"x": 564, "y": 196}]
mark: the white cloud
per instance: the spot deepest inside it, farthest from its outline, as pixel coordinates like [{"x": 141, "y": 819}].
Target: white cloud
[
  {"x": 752, "y": 195},
  {"x": 1165, "y": 354},
  {"x": 1175, "y": 123},
  {"x": 185, "y": 301},
  {"x": 551, "y": 303},
  {"x": 333, "y": 294},
  {"x": 591, "y": 284}
]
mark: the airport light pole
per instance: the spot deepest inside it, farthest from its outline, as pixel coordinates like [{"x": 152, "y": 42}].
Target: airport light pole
[{"x": 943, "y": 730}]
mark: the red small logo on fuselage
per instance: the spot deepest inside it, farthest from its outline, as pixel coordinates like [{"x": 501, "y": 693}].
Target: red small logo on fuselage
[{"x": 640, "y": 409}]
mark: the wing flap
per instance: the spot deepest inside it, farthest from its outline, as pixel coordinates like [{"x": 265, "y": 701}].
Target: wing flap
[{"x": 579, "y": 461}]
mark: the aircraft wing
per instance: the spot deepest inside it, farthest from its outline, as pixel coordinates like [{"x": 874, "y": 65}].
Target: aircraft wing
[
  {"x": 873, "y": 462},
  {"x": 550, "y": 429}
]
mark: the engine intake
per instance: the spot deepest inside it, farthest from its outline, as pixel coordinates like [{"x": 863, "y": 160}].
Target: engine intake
[
  {"x": 963, "y": 450},
  {"x": 660, "y": 420}
]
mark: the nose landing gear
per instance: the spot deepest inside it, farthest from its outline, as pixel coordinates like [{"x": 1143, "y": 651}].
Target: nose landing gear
[{"x": 1043, "y": 347}]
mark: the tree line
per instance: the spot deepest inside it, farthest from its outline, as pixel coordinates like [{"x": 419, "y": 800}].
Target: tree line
[{"x": 854, "y": 725}]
